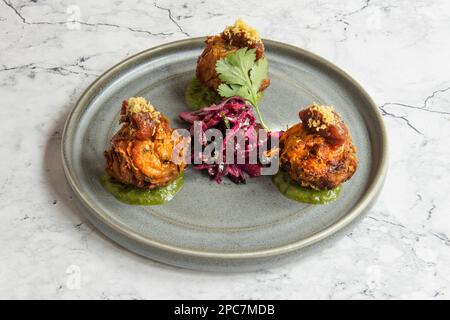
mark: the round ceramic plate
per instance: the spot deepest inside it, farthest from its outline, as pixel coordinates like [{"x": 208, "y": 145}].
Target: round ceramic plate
[{"x": 210, "y": 226}]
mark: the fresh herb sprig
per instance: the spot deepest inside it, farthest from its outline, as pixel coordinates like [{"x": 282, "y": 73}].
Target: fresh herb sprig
[{"x": 241, "y": 75}]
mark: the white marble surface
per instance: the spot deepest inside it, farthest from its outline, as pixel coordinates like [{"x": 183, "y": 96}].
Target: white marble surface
[{"x": 398, "y": 50}]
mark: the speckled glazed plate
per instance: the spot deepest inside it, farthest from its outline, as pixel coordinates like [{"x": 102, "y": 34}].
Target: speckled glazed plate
[{"x": 224, "y": 227}]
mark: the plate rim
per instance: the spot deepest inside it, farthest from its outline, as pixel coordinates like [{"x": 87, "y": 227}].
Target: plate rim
[{"x": 98, "y": 215}]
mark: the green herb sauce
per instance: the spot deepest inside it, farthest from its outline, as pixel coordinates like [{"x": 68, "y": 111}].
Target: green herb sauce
[
  {"x": 292, "y": 190},
  {"x": 148, "y": 197},
  {"x": 198, "y": 96}
]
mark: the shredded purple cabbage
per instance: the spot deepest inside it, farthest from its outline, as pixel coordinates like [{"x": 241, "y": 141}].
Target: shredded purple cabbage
[{"x": 233, "y": 114}]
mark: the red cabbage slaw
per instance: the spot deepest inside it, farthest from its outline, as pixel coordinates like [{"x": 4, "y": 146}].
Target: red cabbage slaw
[{"x": 229, "y": 116}]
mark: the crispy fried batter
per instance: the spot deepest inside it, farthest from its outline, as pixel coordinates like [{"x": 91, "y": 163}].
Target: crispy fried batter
[
  {"x": 219, "y": 46},
  {"x": 319, "y": 152},
  {"x": 141, "y": 150}
]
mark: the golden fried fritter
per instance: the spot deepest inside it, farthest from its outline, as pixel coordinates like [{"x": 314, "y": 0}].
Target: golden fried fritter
[
  {"x": 141, "y": 151},
  {"x": 219, "y": 46},
  {"x": 319, "y": 152}
]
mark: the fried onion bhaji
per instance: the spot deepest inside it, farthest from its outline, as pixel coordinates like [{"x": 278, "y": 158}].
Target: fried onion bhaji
[
  {"x": 141, "y": 151},
  {"x": 234, "y": 37},
  {"x": 318, "y": 152}
]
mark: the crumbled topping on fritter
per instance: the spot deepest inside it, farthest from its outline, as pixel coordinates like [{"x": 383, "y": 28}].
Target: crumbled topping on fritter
[
  {"x": 240, "y": 27},
  {"x": 139, "y": 104},
  {"x": 326, "y": 117}
]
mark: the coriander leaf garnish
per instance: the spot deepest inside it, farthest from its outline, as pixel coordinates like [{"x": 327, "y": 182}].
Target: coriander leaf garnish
[
  {"x": 259, "y": 72},
  {"x": 225, "y": 121},
  {"x": 242, "y": 75}
]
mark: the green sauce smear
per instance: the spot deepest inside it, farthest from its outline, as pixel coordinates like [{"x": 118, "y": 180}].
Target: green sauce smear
[
  {"x": 292, "y": 190},
  {"x": 198, "y": 96},
  {"x": 136, "y": 196}
]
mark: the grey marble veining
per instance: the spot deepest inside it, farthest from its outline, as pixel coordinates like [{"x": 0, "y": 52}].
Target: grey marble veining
[{"x": 398, "y": 50}]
